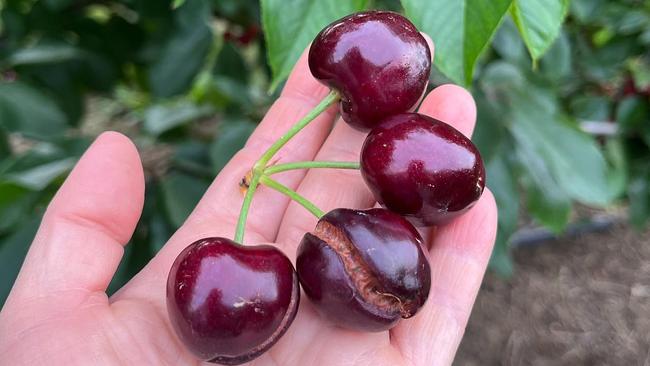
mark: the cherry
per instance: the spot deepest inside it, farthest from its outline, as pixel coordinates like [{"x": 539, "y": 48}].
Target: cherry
[
  {"x": 364, "y": 269},
  {"x": 377, "y": 60},
  {"x": 422, "y": 168},
  {"x": 230, "y": 303}
]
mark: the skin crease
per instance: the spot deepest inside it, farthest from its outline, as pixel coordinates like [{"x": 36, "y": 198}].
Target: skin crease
[
  {"x": 377, "y": 60},
  {"x": 385, "y": 247},
  {"x": 230, "y": 303},
  {"x": 422, "y": 168},
  {"x": 61, "y": 287}
]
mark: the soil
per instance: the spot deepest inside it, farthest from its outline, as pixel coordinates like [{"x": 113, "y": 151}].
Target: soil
[{"x": 578, "y": 301}]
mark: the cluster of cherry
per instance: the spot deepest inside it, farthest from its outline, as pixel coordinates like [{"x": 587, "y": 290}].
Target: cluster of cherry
[{"x": 362, "y": 269}]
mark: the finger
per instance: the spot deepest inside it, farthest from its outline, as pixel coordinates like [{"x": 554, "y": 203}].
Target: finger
[
  {"x": 80, "y": 241},
  {"x": 218, "y": 211},
  {"x": 459, "y": 257}
]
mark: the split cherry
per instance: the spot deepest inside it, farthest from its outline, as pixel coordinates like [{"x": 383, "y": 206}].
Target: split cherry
[{"x": 364, "y": 269}]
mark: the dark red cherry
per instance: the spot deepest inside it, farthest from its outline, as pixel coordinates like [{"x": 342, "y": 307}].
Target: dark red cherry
[
  {"x": 422, "y": 168},
  {"x": 230, "y": 303},
  {"x": 377, "y": 60},
  {"x": 364, "y": 269}
]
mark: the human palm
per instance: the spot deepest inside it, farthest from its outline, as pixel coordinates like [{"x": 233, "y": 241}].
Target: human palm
[{"x": 58, "y": 311}]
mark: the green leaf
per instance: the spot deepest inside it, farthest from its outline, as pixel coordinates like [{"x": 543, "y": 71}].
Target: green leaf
[
  {"x": 161, "y": 118},
  {"x": 632, "y": 114},
  {"x": 508, "y": 43},
  {"x": 586, "y": 10},
  {"x": 230, "y": 62},
  {"x": 546, "y": 200},
  {"x": 503, "y": 185},
  {"x": 639, "y": 197},
  {"x": 461, "y": 30},
  {"x": 12, "y": 253},
  {"x": 604, "y": 64},
  {"x": 489, "y": 131},
  {"x": 39, "y": 177},
  {"x": 500, "y": 76},
  {"x": 241, "y": 12},
  {"x": 177, "y": 4},
  {"x": 26, "y": 110},
  {"x": 619, "y": 167},
  {"x": 640, "y": 70},
  {"x": 501, "y": 259},
  {"x": 231, "y": 137},
  {"x": 603, "y": 36},
  {"x": 58, "y": 4},
  {"x": 5, "y": 147},
  {"x": 192, "y": 151},
  {"x": 159, "y": 232},
  {"x": 633, "y": 21},
  {"x": 644, "y": 38},
  {"x": 552, "y": 208},
  {"x": 591, "y": 107},
  {"x": 289, "y": 26},
  {"x": 180, "y": 193},
  {"x": 16, "y": 203},
  {"x": 183, "y": 54},
  {"x": 44, "y": 54},
  {"x": 539, "y": 22},
  {"x": 39, "y": 166},
  {"x": 573, "y": 158},
  {"x": 232, "y": 91},
  {"x": 557, "y": 63},
  {"x": 192, "y": 157}
]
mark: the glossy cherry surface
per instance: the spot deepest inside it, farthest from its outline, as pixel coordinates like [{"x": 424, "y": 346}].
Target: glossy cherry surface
[
  {"x": 377, "y": 60},
  {"x": 364, "y": 269},
  {"x": 422, "y": 168},
  {"x": 230, "y": 303}
]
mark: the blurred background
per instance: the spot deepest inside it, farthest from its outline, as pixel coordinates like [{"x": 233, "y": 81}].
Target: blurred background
[{"x": 563, "y": 93}]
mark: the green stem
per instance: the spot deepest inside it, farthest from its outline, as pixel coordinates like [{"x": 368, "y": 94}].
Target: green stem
[
  {"x": 260, "y": 165},
  {"x": 273, "y": 184},
  {"x": 330, "y": 99},
  {"x": 245, "y": 206},
  {"x": 274, "y": 169}
]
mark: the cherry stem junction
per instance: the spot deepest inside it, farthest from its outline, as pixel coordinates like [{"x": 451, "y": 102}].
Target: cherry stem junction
[
  {"x": 261, "y": 165},
  {"x": 274, "y": 169}
]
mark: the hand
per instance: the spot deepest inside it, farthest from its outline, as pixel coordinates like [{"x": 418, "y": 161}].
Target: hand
[{"x": 58, "y": 311}]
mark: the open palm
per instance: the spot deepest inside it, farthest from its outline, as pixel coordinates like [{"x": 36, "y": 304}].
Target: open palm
[{"x": 58, "y": 311}]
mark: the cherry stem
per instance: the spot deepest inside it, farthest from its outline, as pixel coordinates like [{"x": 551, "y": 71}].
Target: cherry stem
[
  {"x": 274, "y": 169},
  {"x": 304, "y": 202},
  {"x": 261, "y": 164}
]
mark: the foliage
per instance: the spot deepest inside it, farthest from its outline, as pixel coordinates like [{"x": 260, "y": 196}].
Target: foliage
[{"x": 188, "y": 79}]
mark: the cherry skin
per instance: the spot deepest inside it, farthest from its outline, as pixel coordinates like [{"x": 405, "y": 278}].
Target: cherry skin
[
  {"x": 230, "y": 303},
  {"x": 377, "y": 60},
  {"x": 422, "y": 168},
  {"x": 364, "y": 269}
]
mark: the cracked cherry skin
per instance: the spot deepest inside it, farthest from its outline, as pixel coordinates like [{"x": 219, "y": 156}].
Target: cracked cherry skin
[
  {"x": 422, "y": 168},
  {"x": 230, "y": 303},
  {"x": 377, "y": 60},
  {"x": 364, "y": 269}
]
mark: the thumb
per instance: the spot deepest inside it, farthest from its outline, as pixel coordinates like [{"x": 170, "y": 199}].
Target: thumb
[{"x": 80, "y": 241}]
